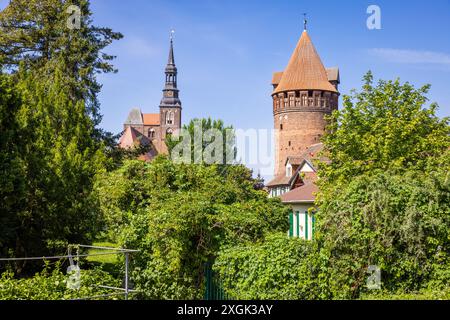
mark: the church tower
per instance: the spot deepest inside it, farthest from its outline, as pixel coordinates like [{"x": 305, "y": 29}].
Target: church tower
[
  {"x": 304, "y": 93},
  {"x": 170, "y": 106}
]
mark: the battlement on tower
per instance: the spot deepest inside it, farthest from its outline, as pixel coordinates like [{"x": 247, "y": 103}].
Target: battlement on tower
[{"x": 305, "y": 101}]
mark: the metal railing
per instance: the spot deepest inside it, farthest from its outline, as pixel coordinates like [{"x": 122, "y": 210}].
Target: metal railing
[{"x": 124, "y": 291}]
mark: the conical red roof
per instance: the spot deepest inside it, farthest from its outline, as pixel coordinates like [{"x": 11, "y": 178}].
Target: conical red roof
[{"x": 305, "y": 70}]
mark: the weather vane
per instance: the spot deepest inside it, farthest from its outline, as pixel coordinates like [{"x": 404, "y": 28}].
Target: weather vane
[
  {"x": 305, "y": 22},
  {"x": 172, "y": 32}
]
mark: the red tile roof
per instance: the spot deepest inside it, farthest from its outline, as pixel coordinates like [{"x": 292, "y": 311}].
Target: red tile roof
[
  {"x": 151, "y": 119},
  {"x": 132, "y": 138},
  {"x": 295, "y": 161},
  {"x": 280, "y": 180},
  {"x": 305, "y": 193},
  {"x": 129, "y": 138},
  {"x": 277, "y": 78},
  {"x": 305, "y": 70}
]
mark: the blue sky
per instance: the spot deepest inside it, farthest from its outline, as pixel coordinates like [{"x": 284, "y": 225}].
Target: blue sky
[{"x": 226, "y": 51}]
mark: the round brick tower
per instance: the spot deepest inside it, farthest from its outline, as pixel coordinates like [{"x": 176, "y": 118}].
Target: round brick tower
[{"x": 303, "y": 94}]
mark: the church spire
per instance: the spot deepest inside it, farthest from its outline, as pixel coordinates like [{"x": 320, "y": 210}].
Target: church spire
[
  {"x": 171, "y": 55},
  {"x": 170, "y": 92}
]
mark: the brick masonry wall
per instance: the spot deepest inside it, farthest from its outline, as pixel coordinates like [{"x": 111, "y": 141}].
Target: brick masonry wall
[{"x": 300, "y": 130}]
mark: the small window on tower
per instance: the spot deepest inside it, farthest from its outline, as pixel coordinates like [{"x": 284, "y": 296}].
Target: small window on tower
[
  {"x": 281, "y": 126},
  {"x": 170, "y": 117},
  {"x": 289, "y": 143},
  {"x": 151, "y": 133}
]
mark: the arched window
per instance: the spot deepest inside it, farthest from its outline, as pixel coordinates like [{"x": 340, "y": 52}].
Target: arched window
[
  {"x": 170, "y": 117},
  {"x": 169, "y": 131},
  {"x": 151, "y": 133}
]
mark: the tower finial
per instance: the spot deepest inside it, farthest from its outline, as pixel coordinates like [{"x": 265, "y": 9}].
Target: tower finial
[
  {"x": 172, "y": 32},
  {"x": 305, "y": 22}
]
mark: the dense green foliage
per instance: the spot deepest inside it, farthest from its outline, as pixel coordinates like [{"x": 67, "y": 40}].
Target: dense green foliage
[
  {"x": 392, "y": 221},
  {"x": 384, "y": 200},
  {"x": 277, "y": 268},
  {"x": 385, "y": 126},
  {"x": 424, "y": 294},
  {"x": 50, "y": 200},
  {"x": 208, "y": 139},
  {"x": 37, "y": 34},
  {"x": 51, "y": 149},
  {"x": 51, "y": 285},
  {"x": 179, "y": 216},
  {"x": 12, "y": 177},
  {"x": 385, "y": 195}
]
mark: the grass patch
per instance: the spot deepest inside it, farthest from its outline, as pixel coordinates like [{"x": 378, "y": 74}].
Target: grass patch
[{"x": 110, "y": 263}]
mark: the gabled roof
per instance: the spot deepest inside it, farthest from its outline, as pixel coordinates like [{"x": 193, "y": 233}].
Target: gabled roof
[
  {"x": 151, "y": 119},
  {"x": 305, "y": 193},
  {"x": 310, "y": 154},
  {"x": 132, "y": 138},
  {"x": 281, "y": 180},
  {"x": 294, "y": 160},
  {"x": 306, "y": 163},
  {"x": 305, "y": 70}
]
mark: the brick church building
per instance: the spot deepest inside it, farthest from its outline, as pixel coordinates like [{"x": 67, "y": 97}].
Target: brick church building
[
  {"x": 153, "y": 128},
  {"x": 304, "y": 93}
]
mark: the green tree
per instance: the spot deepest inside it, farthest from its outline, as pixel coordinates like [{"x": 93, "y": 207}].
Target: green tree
[
  {"x": 54, "y": 203},
  {"x": 199, "y": 130},
  {"x": 391, "y": 221},
  {"x": 53, "y": 148},
  {"x": 36, "y": 35},
  {"x": 384, "y": 194},
  {"x": 384, "y": 200},
  {"x": 384, "y": 127},
  {"x": 12, "y": 167},
  {"x": 179, "y": 216}
]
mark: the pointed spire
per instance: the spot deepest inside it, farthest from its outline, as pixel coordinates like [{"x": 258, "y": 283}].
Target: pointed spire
[
  {"x": 170, "y": 92},
  {"x": 171, "y": 55},
  {"x": 305, "y": 70}
]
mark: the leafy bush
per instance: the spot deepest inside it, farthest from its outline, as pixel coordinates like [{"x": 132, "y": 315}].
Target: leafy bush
[
  {"x": 179, "y": 216},
  {"x": 52, "y": 285},
  {"x": 390, "y": 221},
  {"x": 278, "y": 268},
  {"x": 384, "y": 200},
  {"x": 385, "y": 192},
  {"x": 424, "y": 294}
]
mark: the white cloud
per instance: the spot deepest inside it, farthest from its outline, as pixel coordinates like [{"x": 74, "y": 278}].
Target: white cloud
[{"x": 411, "y": 56}]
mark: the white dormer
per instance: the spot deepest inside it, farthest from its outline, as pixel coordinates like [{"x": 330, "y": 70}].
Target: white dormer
[{"x": 307, "y": 167}]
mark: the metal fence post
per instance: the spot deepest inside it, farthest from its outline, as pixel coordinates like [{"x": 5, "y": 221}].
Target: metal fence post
[{"x": 126, "y": 275}]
